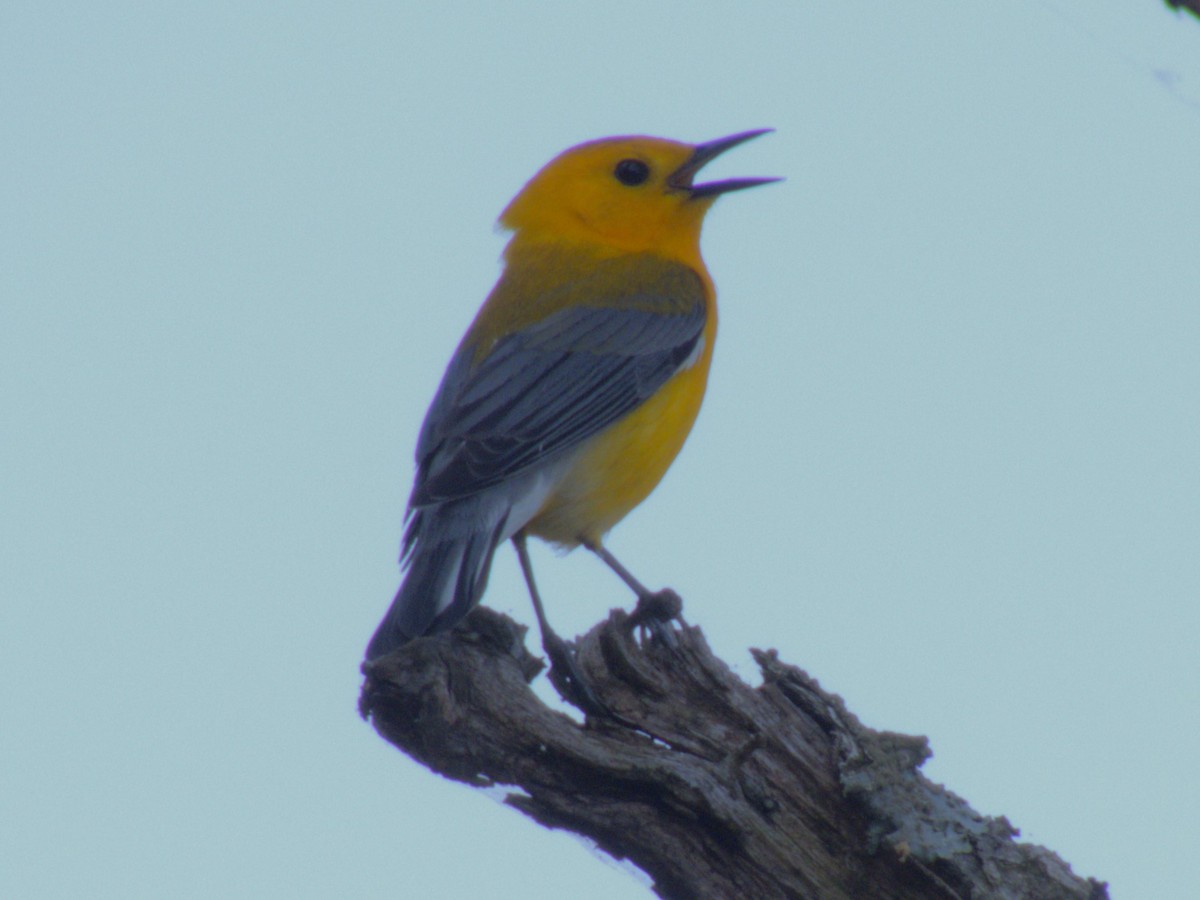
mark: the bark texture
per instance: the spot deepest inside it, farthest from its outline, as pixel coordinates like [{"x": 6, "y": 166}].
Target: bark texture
[{"x": 719, "y": 789}]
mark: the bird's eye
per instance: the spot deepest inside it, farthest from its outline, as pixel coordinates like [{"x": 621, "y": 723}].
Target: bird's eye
[{"x": 631, "y": 172}]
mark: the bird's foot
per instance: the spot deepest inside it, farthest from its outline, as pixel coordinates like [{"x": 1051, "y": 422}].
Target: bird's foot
[
  {"x": 655, "y": 612},
  {"x": 570, "y": 682}
]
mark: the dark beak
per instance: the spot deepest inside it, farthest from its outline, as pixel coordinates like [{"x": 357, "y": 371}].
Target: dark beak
[{"x": 681, "y": 178}]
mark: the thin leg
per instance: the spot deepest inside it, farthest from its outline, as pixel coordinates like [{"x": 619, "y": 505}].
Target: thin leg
[
  {"x": 564, "y": 673},
  {"x": 655, "y": 609},
  {"x": 527, "y": 570},
  {"x": 615, "y": 564}
]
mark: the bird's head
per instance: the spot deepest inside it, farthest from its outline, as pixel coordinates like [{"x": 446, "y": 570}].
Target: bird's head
[{"x": 627, "y": 194}]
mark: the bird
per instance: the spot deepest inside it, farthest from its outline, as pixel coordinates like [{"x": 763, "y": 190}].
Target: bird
[{"x": 575, "y": 386}]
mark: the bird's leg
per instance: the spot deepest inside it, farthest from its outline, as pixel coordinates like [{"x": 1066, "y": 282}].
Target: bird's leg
[
  {"x": 564, "y": 673},
  {"x": 655, "y": 609}
]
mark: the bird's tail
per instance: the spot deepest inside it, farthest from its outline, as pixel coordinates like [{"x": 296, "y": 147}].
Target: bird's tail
[{"x": 446, "y": 577}]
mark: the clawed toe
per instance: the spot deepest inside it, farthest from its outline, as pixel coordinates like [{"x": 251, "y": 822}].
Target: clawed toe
[{"x": 655, "y": 612}]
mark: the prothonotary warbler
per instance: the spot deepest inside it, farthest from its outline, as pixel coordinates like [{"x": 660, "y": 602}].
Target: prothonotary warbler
[{"x": 575, "y": 387}]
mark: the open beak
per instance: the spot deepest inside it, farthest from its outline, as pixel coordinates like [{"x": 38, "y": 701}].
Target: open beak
[{"x": 682, "y": 178}]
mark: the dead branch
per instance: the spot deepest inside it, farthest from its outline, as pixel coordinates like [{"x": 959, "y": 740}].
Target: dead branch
[{"x": 722, "y": 790}]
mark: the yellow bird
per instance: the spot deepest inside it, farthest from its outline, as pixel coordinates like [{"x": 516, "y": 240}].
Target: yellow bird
[{"x": 576, "y": 385}]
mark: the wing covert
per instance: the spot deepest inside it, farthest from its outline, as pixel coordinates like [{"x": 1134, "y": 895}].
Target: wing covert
[{"x": 551, "y": 385}]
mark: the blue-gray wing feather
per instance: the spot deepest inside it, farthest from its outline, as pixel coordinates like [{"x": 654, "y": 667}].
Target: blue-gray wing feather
[{"x": 545, "y": 389}]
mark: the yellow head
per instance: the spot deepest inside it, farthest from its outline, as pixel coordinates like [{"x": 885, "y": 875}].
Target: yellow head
[{"x": 625, "y": 194}]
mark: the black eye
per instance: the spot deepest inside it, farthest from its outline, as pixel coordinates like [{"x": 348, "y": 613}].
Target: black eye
[{"x": 631, "y": 172}]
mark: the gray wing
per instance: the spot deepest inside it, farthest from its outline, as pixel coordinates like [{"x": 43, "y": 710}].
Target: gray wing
[{"x": 546, "y": 389}]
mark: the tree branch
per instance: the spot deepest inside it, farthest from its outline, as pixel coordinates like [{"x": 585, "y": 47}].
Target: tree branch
[{"x": 723, "y": 790}]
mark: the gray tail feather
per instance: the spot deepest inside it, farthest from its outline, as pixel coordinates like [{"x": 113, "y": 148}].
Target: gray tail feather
[{"x": 445, "y": 580}]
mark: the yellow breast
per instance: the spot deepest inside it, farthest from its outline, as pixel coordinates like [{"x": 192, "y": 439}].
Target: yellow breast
[{"x": 617, "y": 469}]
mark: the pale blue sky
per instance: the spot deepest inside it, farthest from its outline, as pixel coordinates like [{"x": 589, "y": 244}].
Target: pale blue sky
[{"x": 948, "y": 461}]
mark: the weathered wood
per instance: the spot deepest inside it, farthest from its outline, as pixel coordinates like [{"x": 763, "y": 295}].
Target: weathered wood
[{"x": 722, "y": 790}]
